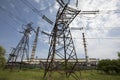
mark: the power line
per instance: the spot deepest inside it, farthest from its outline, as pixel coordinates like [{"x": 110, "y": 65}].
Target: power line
[
  {"x": 28, "y": 4},
  {"x": 95, "y": 12},
  {"x": 46, "y": 8},
  {"x": 100, "y": 38},
  {"x": 17, "y": 9},
  {"x": 99, "y": 28},
  {"x": 8, "y": 24},
  {"x": 109, "y": 11},
  {"x": 11, "y": 15},
  {"x": 99, "y": 12}
]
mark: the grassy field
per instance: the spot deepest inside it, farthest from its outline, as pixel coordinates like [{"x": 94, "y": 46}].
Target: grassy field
[{"x": 37, "y": 75}]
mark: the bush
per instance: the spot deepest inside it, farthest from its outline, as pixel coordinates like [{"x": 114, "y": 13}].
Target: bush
[
  {"x": 109, "y": 66},
  {"x": 2, "y": 58}
]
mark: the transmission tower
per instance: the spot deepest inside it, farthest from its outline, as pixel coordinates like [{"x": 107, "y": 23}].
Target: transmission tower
[
  {"x": 61, "y": 46},
  {"x": 34, "y": 45},
  {"x": 21, "y": 51},
  {"x": 85, "y": 49}
]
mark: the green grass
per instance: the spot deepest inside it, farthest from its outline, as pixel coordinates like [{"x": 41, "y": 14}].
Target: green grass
[
  {"x": 37, "y": 74},
  {"x": 20, "y": 75},
  {"x": 95, "y": 75}
]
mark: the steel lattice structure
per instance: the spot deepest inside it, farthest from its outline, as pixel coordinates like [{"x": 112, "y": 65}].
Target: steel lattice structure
[
  {"x": 85, "y": 49},
  {"x": 34, "y": 45},
  {"x": 62, "y": 46},
  {"x": 21, "y": 51}
]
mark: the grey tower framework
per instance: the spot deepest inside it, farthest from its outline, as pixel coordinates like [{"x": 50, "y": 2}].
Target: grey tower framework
[
  {"x": 61, "y": 46},
  {"x": 85, "y": 49},
  {"x": 21, "y": 51},
  {"x": 34, "y": 45}
]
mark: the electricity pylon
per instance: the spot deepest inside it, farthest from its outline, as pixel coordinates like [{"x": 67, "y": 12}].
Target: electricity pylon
[
  {"x": 21, "y": 51},
  {"x": 34, "y": 46},
  {"x": 85, "y": 49},
  {"x": 61, "y": 46}
]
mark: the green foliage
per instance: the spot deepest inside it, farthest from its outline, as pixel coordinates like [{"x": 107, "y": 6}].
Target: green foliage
[
  {"x": 109, "y": 66},
  {"x": 2, "y": 58},
  {"x": 2, "y": 51}
]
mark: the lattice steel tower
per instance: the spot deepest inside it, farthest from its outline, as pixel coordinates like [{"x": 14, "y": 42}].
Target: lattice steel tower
[
  {"x": 62, "y": 47},
  {"x": 34, "y": 46},
  {"x": 21, "y": 51}
]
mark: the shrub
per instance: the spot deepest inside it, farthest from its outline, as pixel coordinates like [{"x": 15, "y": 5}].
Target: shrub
[{"x": 109, "y": 66}]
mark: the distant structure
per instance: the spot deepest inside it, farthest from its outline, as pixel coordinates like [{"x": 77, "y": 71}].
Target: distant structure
[
  {"x": 21, "y": 51},
  {"x": 42, "y": 62}
]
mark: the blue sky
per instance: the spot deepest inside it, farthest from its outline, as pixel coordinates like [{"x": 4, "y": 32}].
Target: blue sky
[{"x": 14, "y": 14}]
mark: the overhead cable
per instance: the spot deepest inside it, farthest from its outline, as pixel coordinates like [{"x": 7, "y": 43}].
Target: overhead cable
[
  {"x": 11, "y": 14},
  {"x": 28, "y": 4}
]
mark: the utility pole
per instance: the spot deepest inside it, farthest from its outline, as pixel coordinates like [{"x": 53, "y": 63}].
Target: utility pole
[
  {"x": 62, "y": 46},
  {"x": 34, "y": 45},
  {"x": 85, "y": 49},
  {"x": 21, "y": 51}
]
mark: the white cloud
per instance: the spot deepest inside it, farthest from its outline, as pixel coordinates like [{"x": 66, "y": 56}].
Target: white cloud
[
  {"x": 37, "y": 1},
  {"x": 103, "y": 49},
  {"x": 100, "y": 27},
  {"x": 97, "y": 48}
]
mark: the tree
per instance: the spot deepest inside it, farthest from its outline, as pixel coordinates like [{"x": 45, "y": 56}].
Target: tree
[
  {"x": 104, "y": 65},
  {"x": 110, "y": 66},
  {"x": 2, "y": 58}
]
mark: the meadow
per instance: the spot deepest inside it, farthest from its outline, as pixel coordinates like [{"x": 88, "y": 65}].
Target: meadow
[{"x": 37, "y": 74}]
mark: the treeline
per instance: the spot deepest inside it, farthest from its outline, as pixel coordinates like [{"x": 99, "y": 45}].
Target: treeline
[
  {"x": 2, "y": 57},
  {"x": 110, "y": 66}
]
